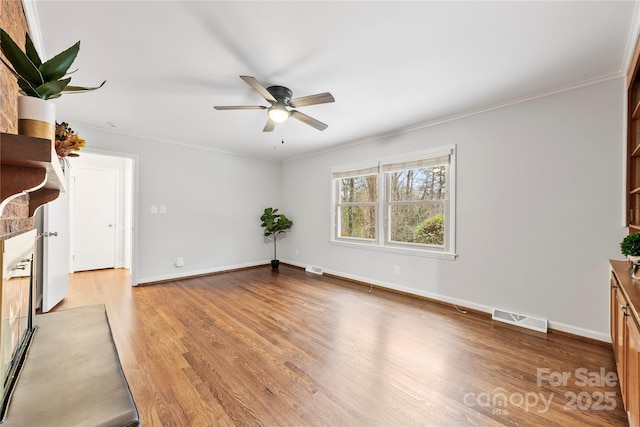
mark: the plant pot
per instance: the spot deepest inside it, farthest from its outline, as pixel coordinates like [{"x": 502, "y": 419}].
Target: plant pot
[
  {"x": 635, "y": 266},
  {"x": 275, "y": 263},
  {"x": 36, "y": 117}
]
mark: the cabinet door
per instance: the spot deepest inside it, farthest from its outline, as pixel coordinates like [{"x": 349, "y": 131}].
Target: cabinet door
[
  {"x": 613, "y": 313},
  {"x": 621, "y": 341},
  {"x": 632, "y": 372}
]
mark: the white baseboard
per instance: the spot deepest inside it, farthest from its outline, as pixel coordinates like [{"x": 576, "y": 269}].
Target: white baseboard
[
  {"x": 570, "y": 329},
  {"x": 413, "y": 291},
  {"x": 185, "y": 274},
  {"x": 574, "y": 330}
]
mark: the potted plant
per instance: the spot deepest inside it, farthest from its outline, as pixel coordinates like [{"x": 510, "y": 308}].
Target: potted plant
[
  {"x": 274, "y": 224},
  {"x": 630, "y": 247},
  {"x": 39, "y": 81}
]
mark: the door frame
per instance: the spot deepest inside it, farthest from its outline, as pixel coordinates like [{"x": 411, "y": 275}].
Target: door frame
[{"x": 134, "y": 204}]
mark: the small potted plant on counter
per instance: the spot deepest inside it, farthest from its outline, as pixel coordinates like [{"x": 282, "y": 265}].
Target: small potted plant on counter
[{"x": 630, "y": 247}]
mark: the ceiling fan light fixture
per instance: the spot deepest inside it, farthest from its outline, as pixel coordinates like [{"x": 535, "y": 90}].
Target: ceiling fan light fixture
[
  {"x": 281, "y": 99},
  {"x": 278, "y": 113}
]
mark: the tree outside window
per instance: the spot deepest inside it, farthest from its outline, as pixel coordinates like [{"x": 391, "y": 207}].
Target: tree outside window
[
  {"x": 357, "y": 206},
  {"x": 416, "y": 205}
]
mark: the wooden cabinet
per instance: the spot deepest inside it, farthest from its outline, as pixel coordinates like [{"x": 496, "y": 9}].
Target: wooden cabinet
[
  {"x": 625, "y": 292},
  {"x": 632, "y": 404},
  {"x": 625, "y": 336},
  {"x": 619, "y": 333},
  {"x": 633, "y": 144}
]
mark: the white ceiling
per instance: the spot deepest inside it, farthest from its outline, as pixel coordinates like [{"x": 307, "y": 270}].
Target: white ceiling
[{"x": 390, "y": 65}]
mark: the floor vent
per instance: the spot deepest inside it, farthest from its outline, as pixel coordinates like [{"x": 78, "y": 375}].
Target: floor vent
[
  {"x": 313, "y": 269},
  {"x": 520, "y": 320}
]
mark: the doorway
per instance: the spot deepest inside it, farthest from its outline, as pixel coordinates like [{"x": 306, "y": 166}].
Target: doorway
[{"x": 102, "y": 210}]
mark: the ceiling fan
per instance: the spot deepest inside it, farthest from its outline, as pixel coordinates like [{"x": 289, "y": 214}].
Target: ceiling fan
[{"x": 280, "y": 99}]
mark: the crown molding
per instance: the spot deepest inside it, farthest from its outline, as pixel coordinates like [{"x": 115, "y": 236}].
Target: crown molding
[
  {"x": 33, "y": 23},
  {"x": 632, "y": 39}
]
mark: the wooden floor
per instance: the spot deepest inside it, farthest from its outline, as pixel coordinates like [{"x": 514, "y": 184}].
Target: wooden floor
[{"x": 257, "y": 347}]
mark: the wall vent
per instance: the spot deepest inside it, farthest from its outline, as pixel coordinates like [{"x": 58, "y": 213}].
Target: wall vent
[
  {"x": 520, "y": 320},
  {"x": 314, "y": 269}
]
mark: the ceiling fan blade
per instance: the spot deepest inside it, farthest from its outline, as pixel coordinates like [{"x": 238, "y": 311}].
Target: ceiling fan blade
[
  {"x": 239, "y": 107},
  {"x": 319, "y": 98},
  {"x": 308, "y": 120},
  {"x": 269, "y": 126},
  {"x": 251, "y": 81}
]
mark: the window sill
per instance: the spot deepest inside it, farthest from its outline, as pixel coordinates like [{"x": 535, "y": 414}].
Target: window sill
[{"x": 395, "y": 250}]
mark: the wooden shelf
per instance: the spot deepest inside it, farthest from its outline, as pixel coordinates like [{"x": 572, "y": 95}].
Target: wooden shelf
[
  {"x": 29, "y": 165},
  {"x": 636, "y": 112},
  {"x": 625, "y": 291}
]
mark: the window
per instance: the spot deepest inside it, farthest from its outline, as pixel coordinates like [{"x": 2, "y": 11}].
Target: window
[
  {"x": 357, "y": 203},
  {"x": 401, "y": 203}
]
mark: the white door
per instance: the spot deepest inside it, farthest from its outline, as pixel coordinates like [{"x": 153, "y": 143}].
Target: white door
[
  {"x": 94, "y": 219},
  {"x": 55, "y": 258}
]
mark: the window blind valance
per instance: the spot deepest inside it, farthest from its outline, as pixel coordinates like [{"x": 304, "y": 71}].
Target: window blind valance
[
  {"x": 355, "y": 172},
  {"x": 415, "y": 164}
]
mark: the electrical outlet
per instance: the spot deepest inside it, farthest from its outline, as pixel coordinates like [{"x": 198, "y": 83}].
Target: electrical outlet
[
  {"x": 163, "y": 209},
  {"x": 297, "y": 253},
  {"x": 396, "y": 270},
  {"x": 179, "y": 262},
  {"x": 154, "y": 209}
]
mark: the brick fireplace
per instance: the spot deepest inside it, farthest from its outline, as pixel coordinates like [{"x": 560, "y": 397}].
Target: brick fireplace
[{"x": 14, "y": 217}]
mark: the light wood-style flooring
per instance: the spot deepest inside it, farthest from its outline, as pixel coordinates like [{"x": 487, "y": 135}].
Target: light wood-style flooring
[{"x": 289, "y": 348}]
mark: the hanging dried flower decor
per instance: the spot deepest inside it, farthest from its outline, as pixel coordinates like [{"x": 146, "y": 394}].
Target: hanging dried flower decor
[{"x": 68, "y": 143}]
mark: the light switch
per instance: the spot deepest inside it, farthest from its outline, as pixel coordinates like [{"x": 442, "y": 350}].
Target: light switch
[
  {"x": 163, "y": 209},
  {"x": 154, "y": 209}
]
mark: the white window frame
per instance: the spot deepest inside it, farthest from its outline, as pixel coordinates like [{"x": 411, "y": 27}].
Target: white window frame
[
  {"x": 382, "y": 241},
  {"x": 355, "y": 170}
]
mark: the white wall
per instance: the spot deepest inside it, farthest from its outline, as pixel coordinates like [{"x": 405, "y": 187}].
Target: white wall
[
  {"x": 539, "y": 210},
  {"x": 214, "y": 201}
]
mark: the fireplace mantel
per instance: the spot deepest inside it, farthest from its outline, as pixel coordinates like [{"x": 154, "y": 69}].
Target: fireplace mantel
[{"x": 29, "y": 165}]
